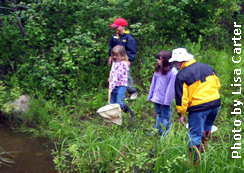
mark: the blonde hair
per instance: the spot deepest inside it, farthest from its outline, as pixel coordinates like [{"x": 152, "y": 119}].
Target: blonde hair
[{"x": 120, "y": 52}]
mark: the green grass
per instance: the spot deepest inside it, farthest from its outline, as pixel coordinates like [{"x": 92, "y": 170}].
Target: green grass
[
  {"x": 110, "y": 148},
  {"x": 87, "y": 143},
  {"x": 93, "y": 145}
]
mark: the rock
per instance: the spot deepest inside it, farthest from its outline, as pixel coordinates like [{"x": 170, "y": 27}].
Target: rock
[{"x": 18, "y": 106}]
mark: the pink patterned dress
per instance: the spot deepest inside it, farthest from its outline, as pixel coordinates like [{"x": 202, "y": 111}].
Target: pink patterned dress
[{"x": 118, "y": 76}]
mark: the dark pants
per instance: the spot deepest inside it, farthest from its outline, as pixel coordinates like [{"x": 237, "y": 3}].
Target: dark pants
[{"x": 130, "y": 88}]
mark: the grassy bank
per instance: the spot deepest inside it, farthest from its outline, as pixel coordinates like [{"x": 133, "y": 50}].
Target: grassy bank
[
  {"x": 89, "y": 144},
  {"x": 86, "y": 143}
]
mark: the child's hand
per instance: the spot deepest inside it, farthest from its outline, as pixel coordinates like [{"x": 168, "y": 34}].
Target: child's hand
[
  {"x": 108, "y": 79},
  {"x": 182, "y": 119},
  {"x": 110, "y": 60}
]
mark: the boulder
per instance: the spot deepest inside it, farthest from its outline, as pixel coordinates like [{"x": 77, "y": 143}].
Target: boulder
[{"x": 19, "y": 106}]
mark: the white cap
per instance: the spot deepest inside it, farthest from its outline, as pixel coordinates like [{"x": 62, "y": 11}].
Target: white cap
[{"x": 180, "y": 55}]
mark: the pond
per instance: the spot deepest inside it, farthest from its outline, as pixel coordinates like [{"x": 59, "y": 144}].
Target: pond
[{"x": 31, "y": 155}]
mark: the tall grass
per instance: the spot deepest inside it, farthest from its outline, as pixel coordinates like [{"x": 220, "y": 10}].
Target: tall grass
[
  {"x": 87, "y": 143},
  {"x": 110, "y": 148}
]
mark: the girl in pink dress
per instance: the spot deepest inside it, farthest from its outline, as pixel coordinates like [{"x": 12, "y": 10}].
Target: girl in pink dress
[{"x": 118, "y": 80}]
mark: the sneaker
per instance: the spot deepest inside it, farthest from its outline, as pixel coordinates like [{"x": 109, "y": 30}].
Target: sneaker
[{"x": 133, "y": 96}]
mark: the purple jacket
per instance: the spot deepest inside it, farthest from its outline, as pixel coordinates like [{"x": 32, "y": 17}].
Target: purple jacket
[{"x": 162, "y": 89}]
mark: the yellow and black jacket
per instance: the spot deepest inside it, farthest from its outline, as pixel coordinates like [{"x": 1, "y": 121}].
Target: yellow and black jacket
[{"x": 196, "y": 88}]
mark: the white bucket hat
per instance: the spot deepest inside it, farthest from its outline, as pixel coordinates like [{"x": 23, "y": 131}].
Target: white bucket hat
[{"x": 180, "y": 55}]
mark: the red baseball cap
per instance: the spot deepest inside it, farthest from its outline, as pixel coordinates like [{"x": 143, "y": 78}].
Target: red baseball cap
[{"x": 119, "y": 22}]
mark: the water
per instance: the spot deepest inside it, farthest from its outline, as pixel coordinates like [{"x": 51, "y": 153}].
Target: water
[{"x": 30, "y": 155}]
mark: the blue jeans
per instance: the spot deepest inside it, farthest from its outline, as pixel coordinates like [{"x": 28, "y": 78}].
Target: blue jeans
[
  {"x": 163, "y": 118},
  {"x": 199, "y": 122},
  {"x": 117, "y": 96}
]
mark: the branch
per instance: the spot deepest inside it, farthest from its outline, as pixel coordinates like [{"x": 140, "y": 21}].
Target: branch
[
  {"x": 12, "y": 9},
  {"x": 19, "y": 23},
  {"x": 156, "y": 144},
  {"x": 134, "y": 165},
  {"x": 7, "y": 8},
  {"x": 8, "y": 2},
  {"x": 22, "y": 6}
]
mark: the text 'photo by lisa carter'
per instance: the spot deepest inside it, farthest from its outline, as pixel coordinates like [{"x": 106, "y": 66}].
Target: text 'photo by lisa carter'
[{"x": 236, "y": 59}]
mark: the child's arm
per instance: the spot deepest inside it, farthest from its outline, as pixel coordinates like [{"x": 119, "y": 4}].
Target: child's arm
[
  {"x": 170, "y": 91},
  {"x": 113, "y": 76},
  {"x": 151, "y": 91},
  {"x": 131, "y": 48},
  {"x": 128, "y": 63}
]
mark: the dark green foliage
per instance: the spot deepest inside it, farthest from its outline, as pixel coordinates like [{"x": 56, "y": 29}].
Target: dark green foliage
[{"x": 65, "y": 43}]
